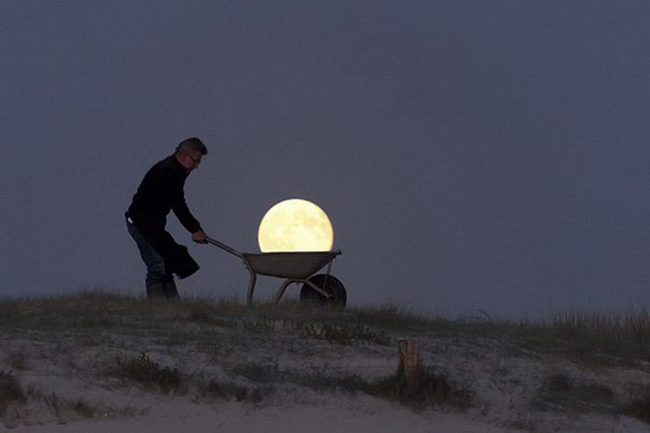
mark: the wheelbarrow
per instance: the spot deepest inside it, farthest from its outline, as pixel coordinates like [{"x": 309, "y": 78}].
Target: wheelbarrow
[{"x": 296, "y": 267}]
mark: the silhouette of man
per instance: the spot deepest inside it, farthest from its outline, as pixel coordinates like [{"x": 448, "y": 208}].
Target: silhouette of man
[{"x": 162, "y": 191}]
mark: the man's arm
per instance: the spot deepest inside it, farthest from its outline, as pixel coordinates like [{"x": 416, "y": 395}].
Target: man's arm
[{"x": 191, "y": 224}]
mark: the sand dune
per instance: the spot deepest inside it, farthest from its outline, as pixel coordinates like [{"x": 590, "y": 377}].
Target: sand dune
[{"x": 80, "y": 365}]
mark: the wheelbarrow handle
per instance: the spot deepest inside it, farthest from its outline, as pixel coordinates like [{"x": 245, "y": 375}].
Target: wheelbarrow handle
[
  {"x": 253, "y": 275},
  {"x": 224, "y": 247}
]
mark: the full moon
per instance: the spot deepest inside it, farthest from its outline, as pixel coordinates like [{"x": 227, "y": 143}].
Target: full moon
[{"x": 295, "y": 225}]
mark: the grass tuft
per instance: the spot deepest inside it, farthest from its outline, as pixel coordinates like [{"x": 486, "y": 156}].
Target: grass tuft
[
  {"x": 258, "y": 373},
  {"x": 561, "y": 392},
  {"x": 149, "y": 373},
  {"x": 424, "y": 388},
  {"x": 232, "y": 391},
  {"x": 17, "y": 360},
  {"x": 639, "y": 408},
  {"x": 11, "y": 391},
  {"x": 345, "y": 333}
]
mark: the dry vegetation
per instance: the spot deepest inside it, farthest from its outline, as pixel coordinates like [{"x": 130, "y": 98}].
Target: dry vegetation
[{"x": 58, "y": 354}]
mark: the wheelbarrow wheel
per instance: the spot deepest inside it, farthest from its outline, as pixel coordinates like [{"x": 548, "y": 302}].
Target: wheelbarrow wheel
[{"x": 330, "y": 285}]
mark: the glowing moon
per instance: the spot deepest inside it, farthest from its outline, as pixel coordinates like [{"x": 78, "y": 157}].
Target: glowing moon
[{"x": 295, "y": 225}]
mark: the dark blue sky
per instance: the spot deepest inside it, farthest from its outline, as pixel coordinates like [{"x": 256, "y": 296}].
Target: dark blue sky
[{"x": 472, "y": 155}]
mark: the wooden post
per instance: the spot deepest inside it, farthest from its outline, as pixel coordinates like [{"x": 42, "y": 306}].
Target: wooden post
[{"x": 408, "y": 360}]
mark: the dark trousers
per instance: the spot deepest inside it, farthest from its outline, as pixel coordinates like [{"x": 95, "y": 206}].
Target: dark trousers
[{"x": 156, "y": 269}]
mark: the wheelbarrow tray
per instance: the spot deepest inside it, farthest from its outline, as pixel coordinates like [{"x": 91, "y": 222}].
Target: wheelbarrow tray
[{"x": 296, "y": 265}]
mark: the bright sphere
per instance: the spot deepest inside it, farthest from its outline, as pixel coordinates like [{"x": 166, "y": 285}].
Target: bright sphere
[{"x": 295, "y": 225}]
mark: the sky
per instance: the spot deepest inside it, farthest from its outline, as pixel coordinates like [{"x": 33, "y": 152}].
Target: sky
[{"x": 475, "y": 158}]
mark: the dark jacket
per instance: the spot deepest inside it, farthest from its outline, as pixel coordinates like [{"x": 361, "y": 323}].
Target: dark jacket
[{"x": 161, "y": 191}]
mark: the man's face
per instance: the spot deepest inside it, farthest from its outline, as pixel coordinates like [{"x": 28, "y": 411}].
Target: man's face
[{"x": 190, "y": 160}]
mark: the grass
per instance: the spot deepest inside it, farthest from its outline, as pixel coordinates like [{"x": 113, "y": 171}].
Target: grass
[
  {"x": 17, "y": 360},
  {"x": 225, "y": 330},
  {"x": 638, "y": 408},
  {"x": 148, "y": 373},
  {"x": 11, "y": 391},
  {"x": 565, "y": 393},
  {"x": 345, "y": 333},
  {"x": 17, "y": 401},
  {"x": 231, "y": 391},
  {"x": 426, "y": 388},
  {"x": 590, "y": 339},
  {"x": 624, "y": 338}
]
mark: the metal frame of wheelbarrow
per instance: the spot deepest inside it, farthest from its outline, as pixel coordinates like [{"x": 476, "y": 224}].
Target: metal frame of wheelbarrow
[{"x": 296, "y": 267}]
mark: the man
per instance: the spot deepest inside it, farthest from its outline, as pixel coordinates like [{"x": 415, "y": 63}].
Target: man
[{"x": 161, "y": 190}]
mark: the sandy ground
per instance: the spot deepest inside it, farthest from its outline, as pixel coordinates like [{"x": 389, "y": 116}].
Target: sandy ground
[
  {"x": 234, "y": 418},
  {"x": 501, "y": 407},
  {"x": 339, "y": 415},
  {"x": 72, "y": 386}
]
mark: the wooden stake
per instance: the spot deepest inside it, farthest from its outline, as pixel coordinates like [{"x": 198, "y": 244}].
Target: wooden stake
[{"x": 408, "y": 359}]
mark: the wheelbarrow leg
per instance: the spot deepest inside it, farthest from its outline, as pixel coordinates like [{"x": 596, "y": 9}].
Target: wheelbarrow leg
[
  {"x": 251, "y": 284},
  {"x": 283, "y": 288}
]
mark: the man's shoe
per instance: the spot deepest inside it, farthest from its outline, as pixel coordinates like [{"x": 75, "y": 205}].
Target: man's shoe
[{"x": 170, "y": 291}]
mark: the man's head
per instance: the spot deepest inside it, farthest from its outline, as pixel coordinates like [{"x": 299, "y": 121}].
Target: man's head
[{"x": 189, "y": 153}]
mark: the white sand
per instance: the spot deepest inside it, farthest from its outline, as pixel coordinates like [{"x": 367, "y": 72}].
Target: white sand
[
  {"x": 235, "y": 418},
  {"x": 59, "y": 371}
]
